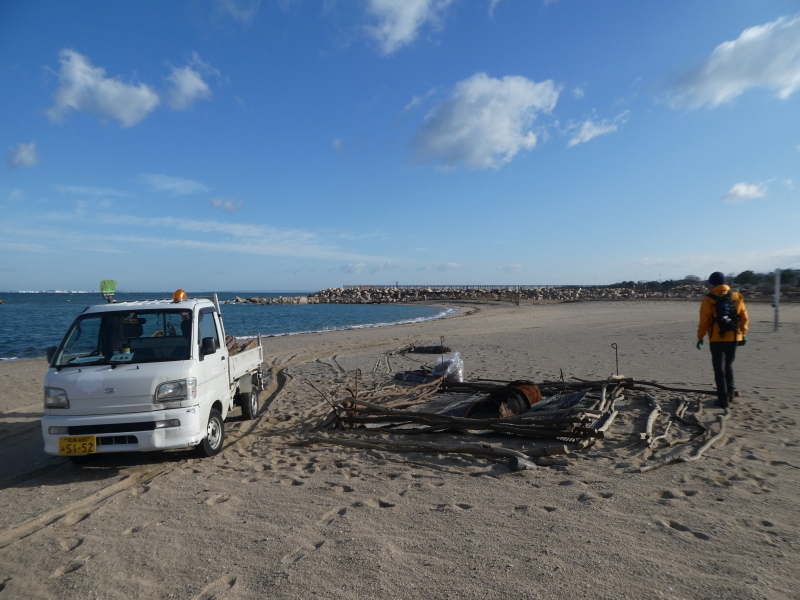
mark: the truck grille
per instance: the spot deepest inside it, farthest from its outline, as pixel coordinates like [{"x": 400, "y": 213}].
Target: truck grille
[
  {"x": 112, "y": 428},
  {"x": 117, "y": 439}
]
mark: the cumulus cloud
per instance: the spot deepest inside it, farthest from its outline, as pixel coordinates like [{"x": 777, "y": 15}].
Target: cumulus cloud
[
  {"x": 398, "y": 21},
  {"x": 578, "y": 93},
  {"x": 380, "y": 267},
  {"x": 353, "y": 268},
  {"x": 766, "y": 56},
  {"x": 741, "y": 192},
  {"x": 485, "y": 122},
  {"x": 85, "y": 88},
  {"x": 589, "y": 129},
  {"x": 24, "y": 155},
  {"x": 187, "y": 84},
  {"x": 176, "y": 186},
  {"x": 227, "y": 204}
]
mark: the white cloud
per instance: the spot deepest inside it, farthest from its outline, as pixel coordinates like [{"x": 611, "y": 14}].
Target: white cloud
[
  {"x": 242, "y": 11},
  {"x": 417, "y": 100},
  {"x": 353, "y": 268},
  {"x": 485, "y": 122},
  {"x": 492, "y": 5},
  {"x": 24, "y": 155},
  {"x": 176, "y": 186},
  {"x": 742, "y": 192},
  {"x": 239, "y": 238},
  {"x": 722, "y": 260},
  {"x": 515, "y": 268},
  {"x": 450, "y": 266},
  {"x": 380, "y": 267},
  {"x": 227, "y": 204},
  {"x": 339, "y": 145},
  {"x": 187, "y": 84},
  {"x": 85, "y": 88},
  {"x": 589, "y": 129},
  {"x": 766, "y": 56},
  {"x": 87, "y": 190},
  {"x": 578, "y": 93},
  {"x": 400, "y": 20}
]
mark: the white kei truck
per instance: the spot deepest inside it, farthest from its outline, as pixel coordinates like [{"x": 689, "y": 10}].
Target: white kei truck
[{"x": 146, "y": 375}]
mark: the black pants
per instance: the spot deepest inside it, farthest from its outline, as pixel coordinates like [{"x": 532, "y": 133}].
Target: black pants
[{"x": 722, "y": 357}]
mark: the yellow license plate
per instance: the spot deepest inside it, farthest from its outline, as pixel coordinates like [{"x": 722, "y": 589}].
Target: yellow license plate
[{"x": 79, "y": 444}]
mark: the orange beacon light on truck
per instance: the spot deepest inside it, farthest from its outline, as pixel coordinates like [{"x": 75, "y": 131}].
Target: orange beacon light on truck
[{"x": 178, "y": 296}]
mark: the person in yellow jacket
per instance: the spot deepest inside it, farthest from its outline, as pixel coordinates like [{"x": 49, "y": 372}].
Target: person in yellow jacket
[{"x": 724, "y": 335}]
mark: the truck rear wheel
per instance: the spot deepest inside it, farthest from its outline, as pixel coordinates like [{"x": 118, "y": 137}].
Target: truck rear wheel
[
  {"x": 250, "y": 404},
  {"x": 215, "y": 435}
]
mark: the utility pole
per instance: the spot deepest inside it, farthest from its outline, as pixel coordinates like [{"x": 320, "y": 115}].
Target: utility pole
[{"x": 777, "y": 297}]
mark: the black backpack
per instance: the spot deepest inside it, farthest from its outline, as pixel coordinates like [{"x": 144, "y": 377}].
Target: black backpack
[{"x": 726, "y": 317}]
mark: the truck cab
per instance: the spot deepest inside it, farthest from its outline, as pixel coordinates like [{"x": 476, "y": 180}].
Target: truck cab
[{"x": 146, "y": 375}]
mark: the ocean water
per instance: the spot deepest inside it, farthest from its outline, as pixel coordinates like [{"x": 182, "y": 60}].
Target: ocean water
[{"x": 30, "y": 322}]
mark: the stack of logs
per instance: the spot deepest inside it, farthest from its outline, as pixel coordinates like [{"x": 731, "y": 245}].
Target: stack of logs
[
  {"x": 570, "y": 424},
  {"x": 582, "y": 424},
  {"x": 236, "y": 346}
]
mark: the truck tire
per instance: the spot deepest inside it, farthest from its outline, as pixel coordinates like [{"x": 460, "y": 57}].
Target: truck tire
[
  {"x": 215, "y": 435},
  {"x": 250, "y": 404}
]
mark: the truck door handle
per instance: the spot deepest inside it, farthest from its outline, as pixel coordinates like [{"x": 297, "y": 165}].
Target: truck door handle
[{"x": 222, "y": 358}]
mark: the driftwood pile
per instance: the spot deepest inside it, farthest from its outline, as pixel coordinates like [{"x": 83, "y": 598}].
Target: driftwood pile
[
  {"x": 237, "y": 346},
  {"x": 573, "y": 414}
]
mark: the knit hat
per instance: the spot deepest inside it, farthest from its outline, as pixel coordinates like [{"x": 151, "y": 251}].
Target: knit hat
[{"x": 716, "y": 278}]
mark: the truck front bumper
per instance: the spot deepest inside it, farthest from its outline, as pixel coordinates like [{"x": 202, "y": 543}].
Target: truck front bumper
[{"x": 128, "y": 432}]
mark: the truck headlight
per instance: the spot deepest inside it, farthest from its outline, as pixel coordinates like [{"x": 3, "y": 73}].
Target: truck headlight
[
  {"x": 176, "y": 391},
  {"x": 55, "y": 398}
]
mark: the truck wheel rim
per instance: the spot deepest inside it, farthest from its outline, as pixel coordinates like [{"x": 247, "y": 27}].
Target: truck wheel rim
[
  {"x": 214, "y": 431},
  {"x": 253, "y": 403}
]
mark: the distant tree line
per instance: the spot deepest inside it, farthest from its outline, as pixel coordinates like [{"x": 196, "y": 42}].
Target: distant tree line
[{"x": 788, "y": 276}]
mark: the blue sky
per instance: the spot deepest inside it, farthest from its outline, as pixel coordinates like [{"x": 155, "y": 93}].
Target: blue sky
[{"x": 302, "y": 144}]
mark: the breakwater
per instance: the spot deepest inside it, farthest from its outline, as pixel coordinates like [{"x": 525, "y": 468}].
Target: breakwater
[{"x": 367, "y": 294}]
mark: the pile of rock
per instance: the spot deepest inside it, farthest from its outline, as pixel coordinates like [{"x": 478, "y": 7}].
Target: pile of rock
[
  {"x": 278, "y": 300},
  {"x": 366, "y": 294},
  {"x": 386, "y": 295}
]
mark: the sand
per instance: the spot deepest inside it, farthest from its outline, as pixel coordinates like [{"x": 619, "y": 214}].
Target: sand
[{"x": 266, "y": 519}]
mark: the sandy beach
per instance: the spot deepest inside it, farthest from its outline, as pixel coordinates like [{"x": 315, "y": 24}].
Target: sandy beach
[{"x": 268, "y": 519}]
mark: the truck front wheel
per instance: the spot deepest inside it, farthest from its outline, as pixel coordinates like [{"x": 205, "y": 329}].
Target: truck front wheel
[
  {"x": 215, "y": 435},
  {"x": 250, "y": 404}
]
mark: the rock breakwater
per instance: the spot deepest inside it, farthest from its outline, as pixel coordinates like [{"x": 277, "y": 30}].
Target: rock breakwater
[{"x": 386, "y": 295}]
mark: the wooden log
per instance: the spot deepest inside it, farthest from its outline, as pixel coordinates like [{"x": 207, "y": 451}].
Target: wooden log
[
  {"x": 551, "y": 462},
  {"x": 603, "y": 399},
  {"x": 651, "y": 419},
  {"x": 520, "y": 464},
  {"x": 674, "y": 389},
  {"x": 662, "y": 436},
  {"x": 697, "y": 455},
  {"x": 609, "y": 420},
  {"x": 450, "y": 419}
]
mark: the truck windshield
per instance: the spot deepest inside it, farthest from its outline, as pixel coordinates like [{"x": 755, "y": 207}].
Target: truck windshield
[{"x": 127, "y": 337}]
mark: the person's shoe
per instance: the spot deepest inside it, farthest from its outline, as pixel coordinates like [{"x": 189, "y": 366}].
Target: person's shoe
[{"x": 721, "y": 404}]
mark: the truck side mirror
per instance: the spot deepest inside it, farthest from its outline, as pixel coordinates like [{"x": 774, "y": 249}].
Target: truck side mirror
[
  {"x": 208, "y": 346},
  {"x": 51, "y": 352}
]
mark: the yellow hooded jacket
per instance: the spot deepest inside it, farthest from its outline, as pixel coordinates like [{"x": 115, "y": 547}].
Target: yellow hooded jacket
[{"x": 707, "y": 314}]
